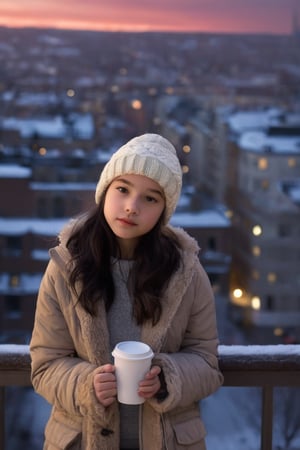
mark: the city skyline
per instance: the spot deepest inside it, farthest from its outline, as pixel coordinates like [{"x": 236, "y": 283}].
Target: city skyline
[{"x": 224, "y": 16}]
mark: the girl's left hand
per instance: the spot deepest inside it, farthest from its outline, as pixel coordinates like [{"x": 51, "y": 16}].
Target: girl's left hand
[{"x": 150, "y": 384}]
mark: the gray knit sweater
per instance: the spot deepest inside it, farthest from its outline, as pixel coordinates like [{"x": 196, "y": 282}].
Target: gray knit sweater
[{"x": 123, "y": 328}]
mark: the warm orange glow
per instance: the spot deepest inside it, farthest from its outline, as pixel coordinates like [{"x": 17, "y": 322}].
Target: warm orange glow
[{"x": 217, "y": 15}]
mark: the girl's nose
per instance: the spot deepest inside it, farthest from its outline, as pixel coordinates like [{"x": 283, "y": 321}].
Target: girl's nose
[{"x": 132, "y": 207}]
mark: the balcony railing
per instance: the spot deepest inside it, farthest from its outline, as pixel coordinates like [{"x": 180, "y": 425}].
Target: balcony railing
[{"x": 267, "y": 367}]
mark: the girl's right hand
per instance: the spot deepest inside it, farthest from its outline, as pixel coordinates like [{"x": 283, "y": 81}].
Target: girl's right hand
[{"x": 105, "y": 384}]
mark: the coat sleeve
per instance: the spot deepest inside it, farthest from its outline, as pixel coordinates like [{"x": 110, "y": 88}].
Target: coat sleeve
[
  {"x": 57, "y": 373},
  {"x": 189, "y": 359}
]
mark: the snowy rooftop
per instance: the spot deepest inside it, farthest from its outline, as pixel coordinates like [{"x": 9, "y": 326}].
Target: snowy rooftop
[
  {"x": 259, "y": 141},
  {"x": 18, "y": 227},
  {"x": 208, "y": 218},
  {"x": 14, "y": 171},
  {"x": 52, "y": 227},
  {"x": 252, "y": 120},
  {"x": 52, "y": 127},
  {"x": 70, "y": 186}
]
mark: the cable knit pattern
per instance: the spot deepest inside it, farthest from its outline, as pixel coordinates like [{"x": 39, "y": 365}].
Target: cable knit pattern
[{"x": 150, "y": 155}]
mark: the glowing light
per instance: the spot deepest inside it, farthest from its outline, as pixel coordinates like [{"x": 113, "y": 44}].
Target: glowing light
[
  {"x": 278, "y": 331},
  {"x": 14, "y": 281},
  {"x": 256, "y": 250},
  {"x": 262, "y": 163},
  {"x": 229, "y": 213},
  {"x": 292, "y": 162},
  {"x": 42, "y": 151},
  {"x": 136, "y": 104},
  {"x": 255, "y": 275},
  {"x": 169, "y": 90},
  {"x": 70, "y": 93},
  {"x": 257, "y": 230},
  {"x": 255, "y": 303},
  {"x": 186, "y": 148},
  {"x": 114, "y": 89},
  {"x": 237, "y": 293},
  {"x": 239, "y": 297},
  {"x": 272, "y": 277},
  {"x": 156, "y": 121}
]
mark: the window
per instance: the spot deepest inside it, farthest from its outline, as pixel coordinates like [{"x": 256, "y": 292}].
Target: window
[
  {"x": 265, "y": 184},
  {"x": 269, "y": 302},
  {"x": 42, "y": 208},
  {"x": 12, "y": 307},
  {"x": 255, "y": 275},
  {"x": 14, "y": 281},
  {"x": 292, "y": 162},
  {"x": 256, "y": 251},
  {"x": 212, "y": 243},
  {"x": 13, "y": 245},
  {"x": 58, "y": 207},
  {"x": 262, "y": 163},
  {"x": 271, "y": 277},
  {"x": 284, "y": 230}
]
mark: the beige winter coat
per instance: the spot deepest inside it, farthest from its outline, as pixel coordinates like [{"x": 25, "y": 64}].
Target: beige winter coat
[{"x": 68, "y": 344}]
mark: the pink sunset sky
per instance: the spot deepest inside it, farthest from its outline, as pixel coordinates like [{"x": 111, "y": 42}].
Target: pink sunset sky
[{"x": 229, "y": 16}]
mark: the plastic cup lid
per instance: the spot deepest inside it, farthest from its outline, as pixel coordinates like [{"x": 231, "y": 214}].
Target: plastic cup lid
[{"x": 132, "y": 350}]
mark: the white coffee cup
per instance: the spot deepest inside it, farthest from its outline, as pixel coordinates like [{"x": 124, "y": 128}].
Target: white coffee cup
[{"x": 132, "y": 360}]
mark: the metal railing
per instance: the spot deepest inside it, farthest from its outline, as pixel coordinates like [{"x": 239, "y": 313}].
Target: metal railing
[{"x": 265, "y": 366}]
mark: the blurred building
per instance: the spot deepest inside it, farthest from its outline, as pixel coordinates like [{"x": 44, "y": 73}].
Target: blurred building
[
  {"x": 222, "y": 100},
  {"x": 253, "y": 167},
  {"x": 35, "y": 204}
]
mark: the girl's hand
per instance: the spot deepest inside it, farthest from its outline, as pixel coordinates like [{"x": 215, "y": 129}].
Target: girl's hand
[
  {"x": 105, "y": 384},
  {"x": 150, "y": 384}
]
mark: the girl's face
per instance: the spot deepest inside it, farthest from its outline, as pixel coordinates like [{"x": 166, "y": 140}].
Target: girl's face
[{"x": 133, "y": 205}]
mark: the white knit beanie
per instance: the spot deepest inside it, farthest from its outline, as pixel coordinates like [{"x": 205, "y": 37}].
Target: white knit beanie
[{"x": 150, "y": 155}]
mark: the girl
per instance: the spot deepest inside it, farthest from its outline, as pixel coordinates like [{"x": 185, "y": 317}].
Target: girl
[{"x": 123, "y": 273}]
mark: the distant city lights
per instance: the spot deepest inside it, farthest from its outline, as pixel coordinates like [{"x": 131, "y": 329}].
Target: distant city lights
[
  {"x": 237, "y": 293},
  {"x": 136, "y": 104},
  {"x": 186, "y": 149},
  {"x": 257, "y": 230},
  {"x": 256, "y": 251},
  {"x": 70, "y": 93},
  {"x": 256, "y": 303}
]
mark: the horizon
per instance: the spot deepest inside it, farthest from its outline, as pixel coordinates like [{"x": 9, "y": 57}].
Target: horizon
[{"x": 141, "y": 31}]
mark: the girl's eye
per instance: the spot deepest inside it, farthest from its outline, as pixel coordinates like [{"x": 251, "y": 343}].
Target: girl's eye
[
  {"x": 151, "y": 199},
  {"x": 122, "y": 189}
]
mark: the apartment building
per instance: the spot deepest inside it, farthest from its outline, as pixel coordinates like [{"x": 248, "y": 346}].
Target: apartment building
[
  {"x": 33, "y": 209},
  {"x": 261, "y": 191}
]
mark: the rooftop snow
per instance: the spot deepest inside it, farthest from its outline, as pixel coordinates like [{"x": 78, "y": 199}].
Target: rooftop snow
[
  {"x": 14, "y": 171},
  {"x": 18, "y": 227},
  {"x": 71, "y": 186},
  {"x": 251, "y": 120},
  {"x": 52, "y": 127},
  {"x": 259, "y": 141},
  {"x": 208, "y": 218},
  {"x": 52, "y": 227}
]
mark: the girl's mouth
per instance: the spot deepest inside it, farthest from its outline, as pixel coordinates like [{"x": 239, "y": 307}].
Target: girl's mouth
[{"x": 126, "y": 222}]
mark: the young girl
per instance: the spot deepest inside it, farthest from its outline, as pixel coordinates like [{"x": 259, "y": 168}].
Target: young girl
[{"x": 121, "y": 273}]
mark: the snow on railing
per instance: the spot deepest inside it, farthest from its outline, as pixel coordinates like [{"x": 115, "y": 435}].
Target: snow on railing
[{"x": 265, "y": 366}]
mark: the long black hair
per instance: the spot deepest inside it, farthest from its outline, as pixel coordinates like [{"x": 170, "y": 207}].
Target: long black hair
[{"x": 92, "y": 246}]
